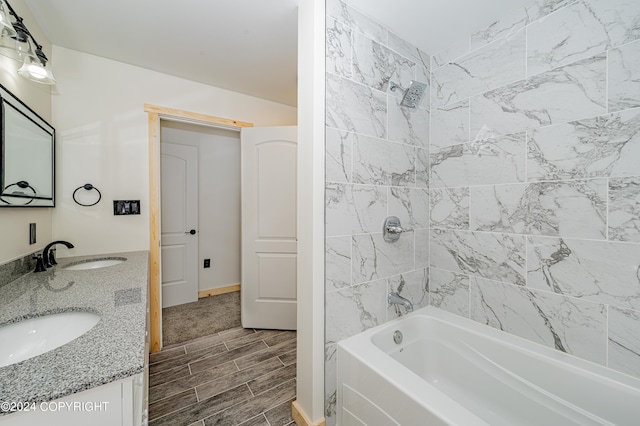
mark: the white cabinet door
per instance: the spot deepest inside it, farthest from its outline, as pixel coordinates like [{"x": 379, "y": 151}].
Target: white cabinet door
[
  {"x": 101, "y": 406},
  {"x": 269, "y": 243},
  {"x": 179, "y": 201}
]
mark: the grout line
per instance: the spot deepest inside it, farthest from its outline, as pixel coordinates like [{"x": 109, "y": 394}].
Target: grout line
[
  {"x": 526, "y": 156},
  {"x": 606, "y": 335},
  {"x": 510, "y": 234},
  {"x": 526, "y": 51},
  {"x": 521, "y": 287},
  {"x": 170, "y": 381},
  {"x": 265, "y": 417},
  {"x": 607, "y": 209},
  {"x": 470, "y": 286},
  {"x": 171, "y": 412},
  {"x": 351, "y": 244},
  {"x": 352, "y": 41},
  {"x": 525, "y": 272},
  {"x": 198, "y": 398},
  {"x": 606, "y": 81},
  {"x": 351, "y": 139},
  {"x": 176, "y": 356}
]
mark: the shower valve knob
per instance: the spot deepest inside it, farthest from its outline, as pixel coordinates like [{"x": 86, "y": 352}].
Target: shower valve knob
[{"x": 392, "y": 229}]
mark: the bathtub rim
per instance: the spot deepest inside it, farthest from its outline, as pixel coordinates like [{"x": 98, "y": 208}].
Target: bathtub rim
[
  {"x": 520, "y": 343},
  {"x": 427, "y": 395}
]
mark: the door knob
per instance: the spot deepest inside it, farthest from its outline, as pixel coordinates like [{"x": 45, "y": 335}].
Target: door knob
[{"x": 192, "y": 232}]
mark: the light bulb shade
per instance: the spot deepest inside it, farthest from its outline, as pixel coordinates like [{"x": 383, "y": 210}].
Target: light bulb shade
[
  {"x": 16, "y": 49},
  {"x": 35, "y": 71},
  {"x": 6, "y": 28}
]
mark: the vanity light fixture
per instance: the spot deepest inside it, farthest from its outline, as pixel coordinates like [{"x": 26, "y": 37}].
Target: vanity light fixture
[
  {"x": 5, "y": 24},
  {"x": 16, "y": 43}
]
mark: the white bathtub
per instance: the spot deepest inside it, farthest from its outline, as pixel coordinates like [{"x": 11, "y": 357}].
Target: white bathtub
[{"x": 450, "y": 370}]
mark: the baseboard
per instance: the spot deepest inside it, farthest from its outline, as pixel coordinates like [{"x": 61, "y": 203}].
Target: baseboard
[
  {"x": 300, "y": 417},
  {"x": 220, "y": 290}
]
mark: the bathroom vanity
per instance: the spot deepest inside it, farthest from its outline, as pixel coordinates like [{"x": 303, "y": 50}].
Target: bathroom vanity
[{"x": 98, "y": 378}]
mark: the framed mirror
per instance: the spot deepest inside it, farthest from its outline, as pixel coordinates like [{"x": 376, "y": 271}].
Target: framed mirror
[{"x": 27, "y": 155}]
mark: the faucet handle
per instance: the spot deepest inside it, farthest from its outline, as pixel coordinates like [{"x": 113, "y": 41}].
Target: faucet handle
[
  {"x": 52, "y": 257},
  {"x": 391, "y": 229},
  {"x": 39, "y": 264}
]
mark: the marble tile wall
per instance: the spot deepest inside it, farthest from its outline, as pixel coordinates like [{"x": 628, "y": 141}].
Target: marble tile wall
[
  {"x": 377, "y": 159},
  {"x": 534, "y": 194},
  {"x": 520, "y": 177}
]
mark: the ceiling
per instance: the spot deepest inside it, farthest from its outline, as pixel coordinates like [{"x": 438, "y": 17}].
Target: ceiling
[{"x": 247, "y": 46}]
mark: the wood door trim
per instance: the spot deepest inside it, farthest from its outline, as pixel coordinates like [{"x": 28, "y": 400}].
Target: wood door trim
[
  {"x": 155, "y": 114},
  {"x": 195, "y": 117},
  {"x": 155, "y": 311}
]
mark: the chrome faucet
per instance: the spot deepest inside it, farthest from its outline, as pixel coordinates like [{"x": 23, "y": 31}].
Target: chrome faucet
[
  {"x": 396, "y": 299},
  {"x": 47, "y": 258}
]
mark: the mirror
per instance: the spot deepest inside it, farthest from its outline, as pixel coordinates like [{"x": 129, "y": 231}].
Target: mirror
[{"x": 26, "y": 157}]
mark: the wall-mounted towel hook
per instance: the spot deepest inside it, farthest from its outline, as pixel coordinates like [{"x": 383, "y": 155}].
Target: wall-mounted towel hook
[{"x": 88, "y": 187}]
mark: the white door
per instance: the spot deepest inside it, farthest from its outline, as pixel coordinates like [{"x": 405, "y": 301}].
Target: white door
[
  {"x": 269, "y": 244},
  {"x": 179, "y": 240}
]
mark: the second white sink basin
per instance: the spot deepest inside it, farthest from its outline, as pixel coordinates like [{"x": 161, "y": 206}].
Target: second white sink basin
[
  {"x": 26, "y": 339},
  {"x": 95, "y": 263}
]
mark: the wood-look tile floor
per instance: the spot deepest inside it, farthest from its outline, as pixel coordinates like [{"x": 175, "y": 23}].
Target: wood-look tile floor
[{"x": 235, "y": 377}]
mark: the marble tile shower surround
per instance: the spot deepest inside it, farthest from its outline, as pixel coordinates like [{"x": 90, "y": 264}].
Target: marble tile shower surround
[
  {"x": 518, "y": 172},
  {"x": 484, "y": 160},
  {"x": 489, "y": 67},
  {"x": 534, "y": 192},
  {"x": 571, "y": 92},
  {"x": 377, "y": 165},
  {"x": 600, "y": 271},
  {"x": 604, "y": 146},
  {"x": 624, "y": 204},
  {"x": 570, "y": 325},
  {"x": 575, "y": 208},
  {"x": 580, "y": 28}
]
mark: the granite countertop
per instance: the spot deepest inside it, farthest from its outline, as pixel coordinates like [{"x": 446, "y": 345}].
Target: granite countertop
[{"x": 114, "y": 349}]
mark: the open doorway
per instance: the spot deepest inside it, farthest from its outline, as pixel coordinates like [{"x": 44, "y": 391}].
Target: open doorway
[
  {"x": 175, "y": 370},
  {"x": 268, "y": 174},
  {"x": 200, "y": 223},
  {"x": 155, "y": 114}
]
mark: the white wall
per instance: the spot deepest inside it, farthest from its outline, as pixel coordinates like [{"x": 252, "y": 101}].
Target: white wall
[
  {"x": 311, "y": 100},
  {"x": 218, "y": 199},
  {"x": 102, "y": 127},
  {"x": 14, "y": 222}
]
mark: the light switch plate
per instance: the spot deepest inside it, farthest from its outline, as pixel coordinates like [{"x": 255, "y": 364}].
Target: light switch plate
[{"x": 126, "y": 207}]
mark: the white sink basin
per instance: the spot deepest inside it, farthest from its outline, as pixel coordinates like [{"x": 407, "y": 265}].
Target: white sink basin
[
  {"x": 26, "y": 339},
  {"x": 94, "y": 264}
]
